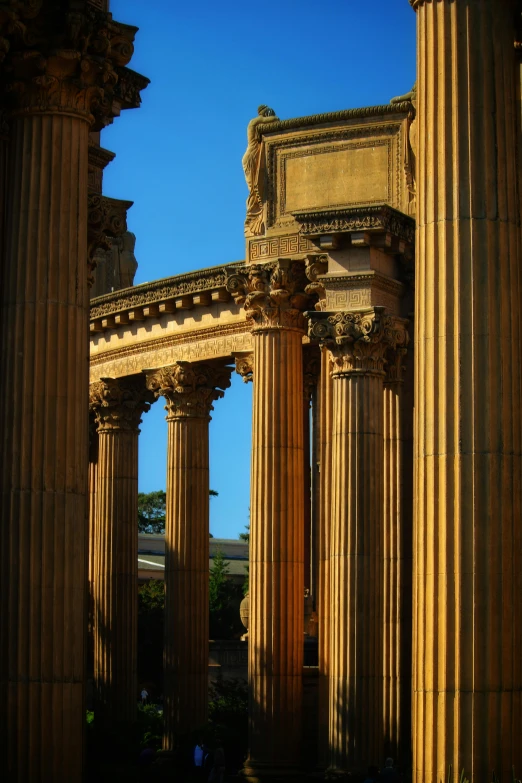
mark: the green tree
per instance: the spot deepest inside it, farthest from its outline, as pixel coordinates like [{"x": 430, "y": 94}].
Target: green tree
[
  {"x": 224, "y": 622},
  {"x": 151, "y": 510}
]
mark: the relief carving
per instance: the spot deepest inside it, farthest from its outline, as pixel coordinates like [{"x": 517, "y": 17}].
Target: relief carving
[
  {"x": 245, "y": 366},
  {"x": 189, "y": 389},
  {"x": 118, "y": 404},
  {"x": 254, "y": 168},
  {"x": 272, "y": 295},
  {"x": 359, "y": 341}
]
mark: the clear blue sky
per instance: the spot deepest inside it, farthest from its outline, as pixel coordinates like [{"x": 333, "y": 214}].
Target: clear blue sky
[{"x": 179, "y": 156}]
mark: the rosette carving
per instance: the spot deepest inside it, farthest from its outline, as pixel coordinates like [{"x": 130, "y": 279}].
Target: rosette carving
[
  {"x": 359, "y": 341},
  {"x": 118, "y": 404},
  {"x": 66, "y": 61},
  {"x": 189, "y": 389},
  {"x": 272, "y": 295}
]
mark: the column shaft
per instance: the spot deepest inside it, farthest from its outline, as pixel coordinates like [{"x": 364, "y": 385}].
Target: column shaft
[
  {"x": 186, "y": 578},
  {"x": 116, "y": 577},
  {"x": 325, "y": 521},
  {"x": 43, "y": 442},
  {"x": 467, "y": 684},
  {"x": 275, "y": 644},
  {"x": 355, "y": 660}
]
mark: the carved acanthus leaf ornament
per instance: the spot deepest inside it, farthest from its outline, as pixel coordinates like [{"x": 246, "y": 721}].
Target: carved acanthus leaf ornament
[
  {"x": 118, "y": 404},
  {"x": 67, "y": 61},
  {"x": 316, "y": 265},
  {"x": 245, "y": 366},
  {"x": 272, "y": 295},
  {"x": 189, "y": 389},
  {"x": 359, "y": 342}
]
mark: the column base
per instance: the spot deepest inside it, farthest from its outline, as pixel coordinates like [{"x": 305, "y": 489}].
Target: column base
[{"x": 257, "y": 772}]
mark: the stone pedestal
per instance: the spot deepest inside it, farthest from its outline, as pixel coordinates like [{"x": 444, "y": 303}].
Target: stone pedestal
[
  {"x": 357, "y": 343},
  {"x": 189, "y": 390},
  {"x": 118, "y": 406},
  {"x": 273, "y": 297},
  {"x": 467, "y": 671}
]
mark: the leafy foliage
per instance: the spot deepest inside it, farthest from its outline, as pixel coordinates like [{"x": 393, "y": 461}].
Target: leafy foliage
[
  {"x": 228, "y": 717},
  {"x": 151, "y": 511},
  {"x": 223, "y": 601}
]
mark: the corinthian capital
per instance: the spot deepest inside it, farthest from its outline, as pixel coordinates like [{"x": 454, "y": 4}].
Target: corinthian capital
[
  {"x": 273, "y": 295},
  {"x": 118, "y": 404},
  {"x": 68, "y": 61},
  {"x": 244, "y": 365},
  {"x": 189, "y": 389},
  {"x": 358, "y": 341}
]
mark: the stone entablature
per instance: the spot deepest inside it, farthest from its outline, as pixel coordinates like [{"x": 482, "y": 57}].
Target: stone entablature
[{"x": 329, "y": 163}]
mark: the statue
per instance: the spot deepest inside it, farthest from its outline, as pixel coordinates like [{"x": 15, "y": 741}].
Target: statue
[
  {"x": 128, "y": 263},
  {"x": 253, "y": 166},
  {"x": 410, "y": 147}
]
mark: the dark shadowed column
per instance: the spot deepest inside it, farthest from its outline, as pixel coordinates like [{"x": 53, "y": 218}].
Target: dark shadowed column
[{"x": 189, "y": 391}]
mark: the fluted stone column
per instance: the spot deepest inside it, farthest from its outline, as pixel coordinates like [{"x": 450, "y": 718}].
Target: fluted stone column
[
  {"x": 357, "y": 343},
  {"x": 189, "y": 391},
  {"x": 118, "y": 406},
  {"x": 395, "y": 580},
  {"x": 273, "y": 297},
  {"x": 43, "y": 442},
  {"x": 325, "y": 400},
  {"x": 55, "y": 78},
  {"x": 467, "y": 679}
]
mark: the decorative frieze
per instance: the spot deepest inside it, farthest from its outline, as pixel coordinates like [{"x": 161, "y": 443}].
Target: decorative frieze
[
  {"x": 272, "y": 295},
  {"x": 189, "y": 389},
  {"x": 378, "y": 218},
  {"x": 118, "y": 404}
]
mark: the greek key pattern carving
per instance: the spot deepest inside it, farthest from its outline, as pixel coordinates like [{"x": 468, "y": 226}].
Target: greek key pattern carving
[{"x": 276, "y": 247}]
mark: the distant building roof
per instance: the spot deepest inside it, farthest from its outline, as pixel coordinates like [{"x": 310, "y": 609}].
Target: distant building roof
[{"x": 151, "y": 555}]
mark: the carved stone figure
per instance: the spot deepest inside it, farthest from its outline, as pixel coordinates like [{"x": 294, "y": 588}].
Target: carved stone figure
[
  {"x": 128, "y": 263},
  {"x": 253, "y": 166},
  {"x": 410, "y": 146}
]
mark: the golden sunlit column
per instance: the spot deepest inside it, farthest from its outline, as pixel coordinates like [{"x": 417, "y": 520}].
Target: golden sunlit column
[
  {"x": 118, "y": 406},
  {"x": 325, "y": 400},
  {"x": 273, "y": 297},
  {"x": 189, "y": 391},
  {"x": 357, "y": 343},
  {"x": 395, "y": 669},
  {"x": 467, "y": 670}
]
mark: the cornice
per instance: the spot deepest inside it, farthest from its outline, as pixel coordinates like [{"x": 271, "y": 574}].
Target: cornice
[
  {"x": 367, "y": 112},
  {"x": 99, "y": 157},
  {"x": 379, "y": 217},
  {"x": 161, "y": 291}
]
